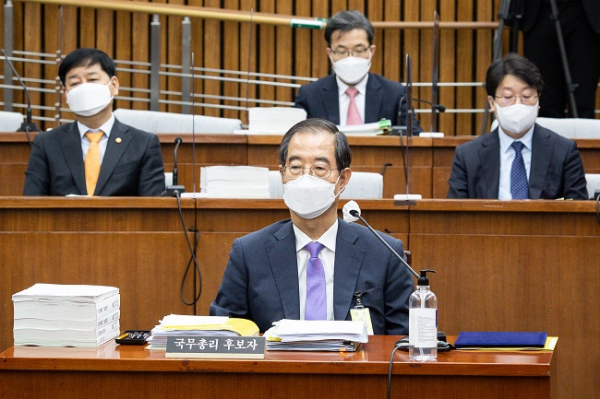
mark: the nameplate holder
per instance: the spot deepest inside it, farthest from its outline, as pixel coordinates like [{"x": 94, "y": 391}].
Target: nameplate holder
[{"x": 216, "y": 347}]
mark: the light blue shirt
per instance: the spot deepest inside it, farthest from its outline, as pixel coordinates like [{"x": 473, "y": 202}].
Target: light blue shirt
[
  {"x": 507, "y": 156},
  {"x": 327, "y": 257},
  {"x": 85, "y": 142}
]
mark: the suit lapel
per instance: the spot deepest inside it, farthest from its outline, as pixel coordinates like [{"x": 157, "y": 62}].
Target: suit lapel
[
  {"x": 331, "y": 99},
  {"x": 348, "y": 260},
  {"x": 373, "y": 100},
  {"x": 70, "y": 143},
  {"x": 541, "y": 154},
  {"x": 114, "y": 152},
  {"x": 282, "y": 259},
  {"x": 489, "y": 159}
]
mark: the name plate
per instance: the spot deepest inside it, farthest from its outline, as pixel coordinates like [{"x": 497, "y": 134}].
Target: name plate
[{"x": 220, "y": 347}]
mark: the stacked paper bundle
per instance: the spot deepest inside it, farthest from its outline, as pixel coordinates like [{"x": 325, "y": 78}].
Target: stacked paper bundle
[
  {"x": 66, "y": 315},
  {"x": 383, "y": 126},
  {"x": 275, "y": 120},
  {"x": 316, "y": 335},
  {"x": 235, "y": 182},
  {"x": 200, "y": 326}
]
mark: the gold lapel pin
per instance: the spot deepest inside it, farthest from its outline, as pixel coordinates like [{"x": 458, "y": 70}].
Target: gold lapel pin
[{"x": 118, "y": 140}]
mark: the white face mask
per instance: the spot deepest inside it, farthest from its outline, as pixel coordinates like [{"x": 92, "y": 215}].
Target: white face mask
[
  {"x": 516, "y": 118},
  {"x": 309, "y": 196},
  {"x": 88, "y": 99},
  {"x": 352, "y": 70}
]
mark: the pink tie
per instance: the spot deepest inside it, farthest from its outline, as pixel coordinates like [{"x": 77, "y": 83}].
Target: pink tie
[{"x": 353, "y": 115}]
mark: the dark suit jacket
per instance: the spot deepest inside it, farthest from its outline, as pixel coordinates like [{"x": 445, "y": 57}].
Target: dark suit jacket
[
  {"x": 531, "y": 9},
  {"x": 320, "y": 99},
  {"x": 133, "y": 167},
  {"x": 556, "y": 168},
  {"x": 260, "y": 282}
]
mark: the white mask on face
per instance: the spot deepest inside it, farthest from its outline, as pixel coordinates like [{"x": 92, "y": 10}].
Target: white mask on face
[
  {"x": 352, "y": 70},
  {"x": 88, "y": 99},
  {"x": 516, "y": 118},
  {"x": 309, "y": 196}
]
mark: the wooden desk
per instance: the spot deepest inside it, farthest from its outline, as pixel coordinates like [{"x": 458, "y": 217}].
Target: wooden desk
[
  {"x": 429, "y": 160},
  {"x": 502, "y": 266},
  {"x": 131, "y": 372}
]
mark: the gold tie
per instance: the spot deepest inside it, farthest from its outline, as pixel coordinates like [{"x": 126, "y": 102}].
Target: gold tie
[{"x": 92, "y": 161}]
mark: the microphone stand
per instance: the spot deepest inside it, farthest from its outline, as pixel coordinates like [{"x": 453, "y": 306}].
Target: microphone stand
[
  {"x": 503, "y": 14},
  {"x": 565, "y": 63},
  {"x": 28, "y": 125}
]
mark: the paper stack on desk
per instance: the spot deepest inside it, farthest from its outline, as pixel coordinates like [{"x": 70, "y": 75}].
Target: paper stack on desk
[
  {"x": 66, "y": 315},
  {"x": 185, "y": 325},
  {"x": 383, "y": 126},
  {"x": 234, "y": 182},
  {"x": 316, "y": 335}
]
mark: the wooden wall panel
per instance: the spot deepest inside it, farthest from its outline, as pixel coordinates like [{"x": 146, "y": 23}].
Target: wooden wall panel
[{"x": 464, "y": 54}]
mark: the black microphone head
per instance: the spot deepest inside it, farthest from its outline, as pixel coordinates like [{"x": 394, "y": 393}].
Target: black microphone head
[
  {"x": 354, "y": 213},
  {"x": 441, "y": 108},
  {"x": 178, "y": 140}
]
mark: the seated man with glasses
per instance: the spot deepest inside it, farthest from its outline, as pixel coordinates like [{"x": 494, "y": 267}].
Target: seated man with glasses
[
  {"x": 519, "y": 159},
  {"x": 352, "y": 95},
  {"x": 314, "y": 266}
]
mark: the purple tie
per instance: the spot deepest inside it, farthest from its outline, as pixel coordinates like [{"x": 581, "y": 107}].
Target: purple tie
[
  {"x": 316, "y": 295},
  {"x": 353, "y": 115}
]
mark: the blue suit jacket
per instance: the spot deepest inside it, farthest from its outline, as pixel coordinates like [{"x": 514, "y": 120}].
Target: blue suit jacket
[
  {"x": 260, "y": 282},
  {"x": 556, "y": 168},
  {"x": 320, "y": 99},
  {"x": 133, "y": 167}
]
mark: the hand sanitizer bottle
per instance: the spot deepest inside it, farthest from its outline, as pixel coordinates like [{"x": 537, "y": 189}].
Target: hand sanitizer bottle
[{"x": 422, "y": 324}]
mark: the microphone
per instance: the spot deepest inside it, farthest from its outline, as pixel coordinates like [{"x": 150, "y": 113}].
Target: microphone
[
  {"x": 174, "y": 189},
  {"x": 351, "y": 212},
  {"x": 178, "y": 141},
  {"x": 409, "y": 132},
  {"x": 437, "y": 107},
  {"x": 28, "y": 125}
]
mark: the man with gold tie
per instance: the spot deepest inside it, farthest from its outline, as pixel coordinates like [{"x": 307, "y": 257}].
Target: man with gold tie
[
  {"x": 97, "y": 154},
  {"x": 352, "y": 95}
]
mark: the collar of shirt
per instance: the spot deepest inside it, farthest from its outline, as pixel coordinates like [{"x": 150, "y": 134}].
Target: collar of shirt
[
  {"x": 359, "y": 100},
  {"x": 506, "y": 141},
  {"x": 360, "y": 86},
  {"x": 106, "y": 127},
  {"x": 328, "y": 238}
]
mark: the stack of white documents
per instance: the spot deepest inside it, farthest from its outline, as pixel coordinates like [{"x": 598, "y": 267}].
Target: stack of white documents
[
  {"x": 234, "y": 182},
  {"x": 316, "y": 335},
  {"x": 383, "y": 126},
  {"x": 66, "y": 315},
  {"x": 175, "y": 325},
  {"x": 273, "y": 120}
]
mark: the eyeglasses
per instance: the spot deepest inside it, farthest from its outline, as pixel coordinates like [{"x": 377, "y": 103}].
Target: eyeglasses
[
  {"x": 357, "y": 52},
  {"x": 320, "y": 171},
  {"x": 510, "y": 100}
]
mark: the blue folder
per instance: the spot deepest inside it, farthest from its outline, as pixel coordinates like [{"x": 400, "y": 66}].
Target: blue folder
[{"x": 501, "y": 340}]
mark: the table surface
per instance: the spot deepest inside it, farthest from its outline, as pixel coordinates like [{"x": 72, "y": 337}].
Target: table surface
[{"x": 372, "y": 358}]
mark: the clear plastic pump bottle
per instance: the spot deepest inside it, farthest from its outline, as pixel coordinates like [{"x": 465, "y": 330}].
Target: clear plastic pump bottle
[{"x": 422, "y": 321}]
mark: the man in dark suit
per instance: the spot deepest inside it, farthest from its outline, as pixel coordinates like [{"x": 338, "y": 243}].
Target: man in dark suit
[
  {"x": 97, "y": 155},
  {"x": 270, "y": 275},
  {"x": 519, "y": 159},
  {"x": 353, "y": 95},
  {"x": 580, "y": 23}
]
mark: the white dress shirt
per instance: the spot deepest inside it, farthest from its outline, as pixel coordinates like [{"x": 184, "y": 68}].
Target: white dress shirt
[
  {"x": 359, "y": 99},
  {"x": 85, "y": 142},
  {"x": 507, "y": 156},
  {"x": 327, "y": 257}
]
